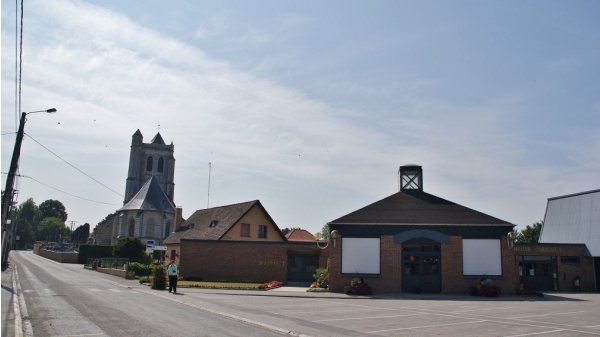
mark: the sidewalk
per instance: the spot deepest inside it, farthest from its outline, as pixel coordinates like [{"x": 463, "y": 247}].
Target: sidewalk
[{"x": 8, "y": 297}]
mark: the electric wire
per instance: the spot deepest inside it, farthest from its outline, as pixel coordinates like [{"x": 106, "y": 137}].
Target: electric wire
[
  {"x": 73, "y": 166},
  {"x": 67, "y": 193}
]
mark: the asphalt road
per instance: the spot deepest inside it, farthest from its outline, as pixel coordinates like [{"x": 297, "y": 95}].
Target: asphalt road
[
  {"x": 78, "y": 302},
  {"x": 63, "y": 301}
]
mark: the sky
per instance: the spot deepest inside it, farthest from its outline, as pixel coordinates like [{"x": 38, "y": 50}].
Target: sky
[{"x": 309, "y": 106}]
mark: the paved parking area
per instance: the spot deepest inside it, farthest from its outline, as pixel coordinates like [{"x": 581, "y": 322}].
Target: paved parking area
[
  {"x": 558, "y": 315},
  {"x": 298, "y": 313}
]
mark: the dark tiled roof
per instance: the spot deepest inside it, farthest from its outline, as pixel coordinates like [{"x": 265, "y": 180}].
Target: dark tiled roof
[
  {"x": 158, "y": 139},
  {"x": 418, "y": 207},
  {"x": 300, "y": 235},
  {"x": 198, "y": 225},
  {"x": 150, "y": 197}
]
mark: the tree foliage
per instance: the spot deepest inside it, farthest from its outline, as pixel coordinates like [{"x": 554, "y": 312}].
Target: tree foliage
[
  {"x": 325, "y": 232},
  {"x": 25, "y": 219},
  {"x": 53, "y": 209},
  {"x": 52, "y": 229},
  {"x": 531, "y": 234},
  {"x": 286, "y": 230},
  {"x": 131, "y": 248},
  {"x": 81, "y": 233}
]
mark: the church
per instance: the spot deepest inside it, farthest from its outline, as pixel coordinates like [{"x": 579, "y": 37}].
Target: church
[{"x": 148, "y": 211}]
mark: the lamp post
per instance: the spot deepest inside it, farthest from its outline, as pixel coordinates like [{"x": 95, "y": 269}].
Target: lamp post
[{"x": 10, "y": 181}]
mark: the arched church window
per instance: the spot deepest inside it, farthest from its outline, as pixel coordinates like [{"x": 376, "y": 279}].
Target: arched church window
[
  {"x": 149, "y": 163},
  {"x": 167, "y": 229},
  {"x": 131, "y": 227},
  {"x": 161, "y": 163}
]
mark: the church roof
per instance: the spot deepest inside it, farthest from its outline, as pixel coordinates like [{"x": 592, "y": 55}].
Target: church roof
[
  {"x": 158, "y": 139},
  {"x": 150, "y": 197},
  {"x": 214, "y": 223},
  {"x": 417, "y": 208}
]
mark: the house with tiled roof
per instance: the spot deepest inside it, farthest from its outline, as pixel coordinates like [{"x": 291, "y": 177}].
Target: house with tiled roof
[
  {"x": 300, "y": 235},
  {"x": 413, "y": 241},
  {"x": 240, "y": 242}
]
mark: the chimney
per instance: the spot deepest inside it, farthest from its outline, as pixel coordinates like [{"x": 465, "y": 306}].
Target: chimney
[{"x": 178, "y": 217}]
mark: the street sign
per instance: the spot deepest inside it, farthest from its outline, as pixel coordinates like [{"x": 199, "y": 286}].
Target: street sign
[
  {"x": 160, "y": 248},
  {"x": 149, "y": 246}
]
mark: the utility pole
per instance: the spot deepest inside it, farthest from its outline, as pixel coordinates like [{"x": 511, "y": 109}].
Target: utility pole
[{"x": 10, "y": 183}]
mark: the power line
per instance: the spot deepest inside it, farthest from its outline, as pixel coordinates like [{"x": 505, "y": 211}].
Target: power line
[
  {"x": 73, "y": 166},
  {"x": 67, "y": 193}
]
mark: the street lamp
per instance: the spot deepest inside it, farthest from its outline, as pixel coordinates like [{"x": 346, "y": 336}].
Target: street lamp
[{"x": 10, "y": 180}]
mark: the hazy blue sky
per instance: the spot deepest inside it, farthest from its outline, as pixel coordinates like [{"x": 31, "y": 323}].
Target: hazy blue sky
[{"x": 308, "y": 106}]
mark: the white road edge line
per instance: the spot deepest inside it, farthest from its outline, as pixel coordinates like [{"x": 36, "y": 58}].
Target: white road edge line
[
  {"x": 427, "y": 326},
  {"x": 22, "y": 327}
]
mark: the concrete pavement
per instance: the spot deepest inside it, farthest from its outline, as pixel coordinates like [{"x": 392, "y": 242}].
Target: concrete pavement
[{"x": 8, "y": 298}]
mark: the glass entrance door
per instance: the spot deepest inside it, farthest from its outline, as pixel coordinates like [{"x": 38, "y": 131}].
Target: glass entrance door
[{"x": 421, "y": 268}]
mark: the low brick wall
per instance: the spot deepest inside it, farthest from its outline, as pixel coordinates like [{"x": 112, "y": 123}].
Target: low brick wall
[
  {"x": 241, "y": 261},
  {"x": 115, "y": 272},
  {"x": 62, "y": 257}
]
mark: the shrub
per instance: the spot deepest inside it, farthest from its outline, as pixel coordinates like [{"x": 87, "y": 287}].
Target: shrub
[
  {"x": 358, "y": 287},
  {"x": 139, "y": 269},
  {"x": 159, "y": 278},
  {"x": 322, "y": 277}
]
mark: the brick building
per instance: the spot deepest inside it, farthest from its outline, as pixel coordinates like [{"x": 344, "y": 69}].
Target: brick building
[
  {"x": 241, "y": 242},
  {"x": 413, "y": 241},
  {"x": 569, "y": 247},
  {"x": 555, "y": 266}
]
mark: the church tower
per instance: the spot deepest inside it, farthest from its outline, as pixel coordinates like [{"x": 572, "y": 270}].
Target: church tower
[{"x": 146, "y": 160}]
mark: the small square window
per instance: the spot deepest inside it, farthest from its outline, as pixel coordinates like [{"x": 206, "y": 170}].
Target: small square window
[
  {"x": 262, "y": 231},
  {"x": 245, "y": 230},
  {"x": 213, "y": 223}
]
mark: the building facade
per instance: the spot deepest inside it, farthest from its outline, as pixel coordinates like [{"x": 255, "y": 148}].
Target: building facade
[
  {"x": 241, "y": 242},
  {"x": 413, "y": 241}
]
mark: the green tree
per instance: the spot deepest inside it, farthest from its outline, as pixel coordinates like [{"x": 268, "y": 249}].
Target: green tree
[
  {"x": 531, "y": 234},
  {"x": 53, "y": 209},
  {"x": 131, "y": 248},
  {"x": 286, "y": 230},
  {"x": 325, "y": 232},
  {"x": 25, "y": 218},
  {"x": 81, "y": 233},
  {"x": 52, "y": 229}
]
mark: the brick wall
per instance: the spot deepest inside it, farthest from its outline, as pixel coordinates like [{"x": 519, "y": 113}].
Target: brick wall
[
  {"x": 453, "y": 281},
  {"x": 239, "y": 261},
  {"x": 566, "y": 272}
]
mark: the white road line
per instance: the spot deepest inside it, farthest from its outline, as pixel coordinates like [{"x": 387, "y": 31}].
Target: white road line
[
  {"x": 555, "y": 314},
  {"x": 536, "y": 333},
  {"x": 478, "y": 310},
  {"x": 373, "y": 317},
  {"x": 427, "y": 326}
]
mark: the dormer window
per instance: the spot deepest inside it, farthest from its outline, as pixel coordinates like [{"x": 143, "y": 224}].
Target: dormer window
[{"x": 213, "y": 223}]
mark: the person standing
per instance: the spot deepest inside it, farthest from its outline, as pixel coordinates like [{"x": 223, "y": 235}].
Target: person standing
[{"x": 172, "y": 272}]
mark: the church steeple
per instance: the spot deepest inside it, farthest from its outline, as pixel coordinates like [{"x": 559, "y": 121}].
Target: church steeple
[
  {"x": 158, "y": 139},
  {"x": 147, "y": 160}
]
